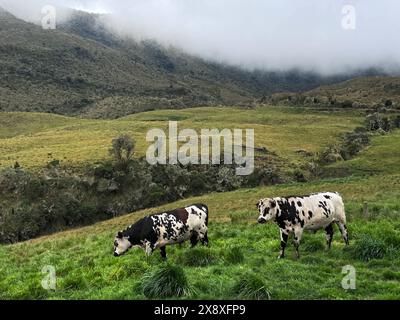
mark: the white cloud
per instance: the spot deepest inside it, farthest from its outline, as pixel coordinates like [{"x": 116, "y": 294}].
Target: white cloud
[{"x": 267, "y": 34}]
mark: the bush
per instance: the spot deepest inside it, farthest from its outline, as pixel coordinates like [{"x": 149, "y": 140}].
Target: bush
[
  {"x": 123, "y": 148},
  {"x": 329, "y": 155},
  {"x": 368, "y": 248},
  {"x": 265, "y": 176},
  {"x": 252, "y": 287},
  {"x": 234, "y": 255},
  {"x": 165, "y": 281},
  {"x": 353, "y": 143},
  {"x": 375, "y": 121},
  {"x": 197, "y": 257}
]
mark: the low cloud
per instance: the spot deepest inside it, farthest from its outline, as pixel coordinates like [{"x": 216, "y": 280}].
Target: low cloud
[{"x": 311, "y": 35}]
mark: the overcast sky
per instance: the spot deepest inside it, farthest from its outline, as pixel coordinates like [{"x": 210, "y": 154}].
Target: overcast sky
[{"x": 266, "y": 34}]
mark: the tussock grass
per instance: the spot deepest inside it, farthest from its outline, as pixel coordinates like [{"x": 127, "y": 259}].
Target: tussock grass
[
  {"x": 368, "y": 248},
  {"x": 234, "y": 255},
  {"x": 252, "y": 287},
  {"x": 166, "y": 280},
  {"x": 197, "y": 257}
]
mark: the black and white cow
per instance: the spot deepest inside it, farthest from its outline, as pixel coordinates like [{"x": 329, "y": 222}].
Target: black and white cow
[
  {"x": 158, "y": 230},
  {"x": 295, "y": 214}
]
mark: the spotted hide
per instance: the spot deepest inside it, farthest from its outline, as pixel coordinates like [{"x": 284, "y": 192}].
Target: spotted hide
[
  {"x": 298, "y": 213},
  {"x": 159, "y": 230}
]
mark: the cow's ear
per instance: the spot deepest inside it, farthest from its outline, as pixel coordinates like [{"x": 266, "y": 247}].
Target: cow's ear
[{"x": 119, "y": 235}]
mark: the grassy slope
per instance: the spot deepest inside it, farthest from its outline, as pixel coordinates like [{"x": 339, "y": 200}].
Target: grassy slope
[
  {"x": 384, "y": 150},
  {"x": 86, "y": 268},
  {"x": 35, "y": 139}
]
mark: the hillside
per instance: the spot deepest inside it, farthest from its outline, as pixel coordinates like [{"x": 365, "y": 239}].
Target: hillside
[
  {"x": 86, "y": 269},
  {"x": 361, "y": 92},
  {"x": 366, "y": 90},
  {"x": 34, "y": 139},
  {"x": 83, "y": 69}
]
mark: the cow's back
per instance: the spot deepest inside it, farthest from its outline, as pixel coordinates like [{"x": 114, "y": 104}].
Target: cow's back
[{"x": 326, "y": 207}]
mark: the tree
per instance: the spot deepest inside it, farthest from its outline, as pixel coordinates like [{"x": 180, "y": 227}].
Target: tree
[{"x": 123, "y": 148}]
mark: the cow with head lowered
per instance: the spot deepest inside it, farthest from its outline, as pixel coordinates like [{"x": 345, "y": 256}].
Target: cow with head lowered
[
  {"x": 295, "y": 214},
  {"x": 159, "y": 230}
]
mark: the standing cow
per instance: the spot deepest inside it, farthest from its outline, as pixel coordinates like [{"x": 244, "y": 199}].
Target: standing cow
[
  {"x": 298, "y": 213},
  {"x": 159, "y": 230}
]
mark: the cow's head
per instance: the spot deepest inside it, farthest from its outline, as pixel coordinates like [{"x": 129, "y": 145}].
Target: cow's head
[
  {"x": 121, "y": 244},
  {"x": 267, "y": 210}
]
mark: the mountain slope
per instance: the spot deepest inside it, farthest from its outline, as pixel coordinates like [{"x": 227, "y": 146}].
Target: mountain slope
[
  {"x": 378, "y": 92},
  {"x": 83, "y": 69}
]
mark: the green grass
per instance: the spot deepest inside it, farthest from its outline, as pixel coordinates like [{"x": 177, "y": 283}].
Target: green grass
[
  {"x": 35, "y": 139},
  {"x": 86, "y": 268},
  {"x": 381, "y": 157},
  {"x": 241, "y": 261}
]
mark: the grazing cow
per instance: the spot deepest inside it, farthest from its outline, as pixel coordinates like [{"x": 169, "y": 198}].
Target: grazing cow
[
  {"x": 298, "y": 213},
  {"x": 158, "y": 230}
]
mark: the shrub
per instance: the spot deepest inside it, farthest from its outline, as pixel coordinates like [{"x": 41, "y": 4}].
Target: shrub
[
  {"x": 252, "y": 287},
  {"x": 375, "y": 121},
  {"x": 122, "y": 148},
  {"x": 265, "y": 176},
  {"x": 165, "y": 281},
  {"x": 197, "y": 257},
  {"x": 368, "y": 248},
  {"x": 234, "y": 255},
  {"x": 353, "y": 143},
  {"x": 299, "y": 176},
  {"x": 329, "y": 155}
]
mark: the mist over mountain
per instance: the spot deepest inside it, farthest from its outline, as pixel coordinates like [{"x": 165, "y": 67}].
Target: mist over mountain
[
  {"x": 272, "y": 35},
  {"x": 90, "y": 66}
]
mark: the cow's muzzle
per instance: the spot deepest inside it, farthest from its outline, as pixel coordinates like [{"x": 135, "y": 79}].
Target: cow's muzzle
[{"x": 262, "y": 220}]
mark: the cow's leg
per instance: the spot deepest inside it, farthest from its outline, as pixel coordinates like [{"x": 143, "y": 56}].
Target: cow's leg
[
  {"x": 343, "y": 231},
  {"x": 194, "y": 239},
  {"x": 149, "y": 248},
  {"x": 204, "y": 239},
  {"x": 329, "y": 235},
  {"x": 284, "y": 239},
  {"x": 298, "y": 232},
  {"x": 163, "y": 253}
]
